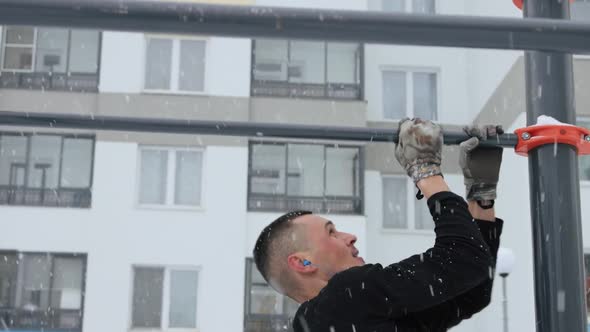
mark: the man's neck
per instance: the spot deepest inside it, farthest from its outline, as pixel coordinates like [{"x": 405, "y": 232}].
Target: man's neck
[{"x": 310, "y": 290}]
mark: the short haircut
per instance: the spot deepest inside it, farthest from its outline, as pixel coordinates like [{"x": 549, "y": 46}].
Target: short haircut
[{"x": 275, "y": 243}]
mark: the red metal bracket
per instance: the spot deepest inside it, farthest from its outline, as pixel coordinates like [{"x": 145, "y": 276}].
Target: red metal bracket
[{"x": 532, "y": 137}]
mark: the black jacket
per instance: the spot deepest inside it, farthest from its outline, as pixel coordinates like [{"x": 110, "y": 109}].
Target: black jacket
[{"x": 428, "y": 292}]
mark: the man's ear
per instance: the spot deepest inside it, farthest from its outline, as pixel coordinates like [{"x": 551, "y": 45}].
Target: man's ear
[{"x": 295, "y": 263}]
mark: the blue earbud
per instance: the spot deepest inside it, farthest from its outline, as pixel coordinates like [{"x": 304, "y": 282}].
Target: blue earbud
[{"x": 306, "y": 262}]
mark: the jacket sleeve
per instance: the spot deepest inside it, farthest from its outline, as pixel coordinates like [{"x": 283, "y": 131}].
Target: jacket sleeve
[
  {"x": 464, "y": 306},
  {"x": 459, "y": 261}
]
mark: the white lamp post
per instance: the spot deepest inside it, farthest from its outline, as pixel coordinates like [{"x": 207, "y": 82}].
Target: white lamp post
[{"x": 504, "y": 265}]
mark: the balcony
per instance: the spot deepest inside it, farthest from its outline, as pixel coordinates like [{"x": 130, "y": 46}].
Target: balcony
[
  {"x": 62, "y": 197},
  {"x": 77, "y": 82},
  {"x": 267, "y": 323},
  {"x": 13, "y": 319},
  {"x": 327, "y": 204},
  {"x": 306, "y": 90}
]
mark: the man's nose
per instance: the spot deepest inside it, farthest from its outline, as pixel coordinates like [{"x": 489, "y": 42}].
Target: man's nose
[{"x": 350, "y": 239}]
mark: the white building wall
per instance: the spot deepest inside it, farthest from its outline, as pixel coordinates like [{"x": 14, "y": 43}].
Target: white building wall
[
  {"x": 116, "y": 235},
  {"x": 227, "y": 64}
]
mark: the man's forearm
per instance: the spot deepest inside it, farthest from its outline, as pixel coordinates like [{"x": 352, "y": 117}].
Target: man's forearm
[
  {"x": 432, "y": 185},
  {"x": 481, "y": 214}
]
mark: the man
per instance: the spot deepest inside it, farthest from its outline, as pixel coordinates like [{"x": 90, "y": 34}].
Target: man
[{"x": 306, "y": 258}]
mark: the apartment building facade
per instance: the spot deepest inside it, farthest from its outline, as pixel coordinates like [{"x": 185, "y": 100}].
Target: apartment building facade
[{"x": 125, "y": 231}]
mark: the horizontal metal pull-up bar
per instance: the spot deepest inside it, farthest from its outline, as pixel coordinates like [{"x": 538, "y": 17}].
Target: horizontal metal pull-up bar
[
  {"x": 338, "y": 25},
  {"x": 225, "y": 128}
]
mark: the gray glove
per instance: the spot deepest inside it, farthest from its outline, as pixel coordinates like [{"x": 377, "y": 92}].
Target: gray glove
[
  {"x": 480, "y": 165},
  {"x": 419, "y": 148}
]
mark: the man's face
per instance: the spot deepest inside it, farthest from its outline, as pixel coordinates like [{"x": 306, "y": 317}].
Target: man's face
[{"x": 332, "y": 251}]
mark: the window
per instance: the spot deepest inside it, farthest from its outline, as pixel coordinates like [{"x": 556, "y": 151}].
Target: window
[
  {"x": 414, "y": 6},
  {"x": 587, "y": 282},
  {"x": 580, "y": 10},
  {"x": 170, "y": 177},
  {"x": 410, "y": 94},
  {"x": 46, "y": 170},
  {"x": 50, "y": 58},
  {"x": 265, "y": 309},
  {"x": 175, "y": 65},
  {"x": 41, "y": 291},
  {"x": 319, "y": 178},
  {"x": 584, "y": 160},
  {"x": 308, "y": 69},
  {"x": 164, "y": 298},
  {"x": 400, "y": 206}
]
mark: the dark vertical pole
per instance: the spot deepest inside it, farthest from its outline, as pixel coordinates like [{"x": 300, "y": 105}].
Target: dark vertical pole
[{"x": 554, "y": 185}]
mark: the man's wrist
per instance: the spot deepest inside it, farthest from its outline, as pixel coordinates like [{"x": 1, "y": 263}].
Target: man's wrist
[
  {"x": 432, "y": 185},
  {"x": 480, "y": 213}
]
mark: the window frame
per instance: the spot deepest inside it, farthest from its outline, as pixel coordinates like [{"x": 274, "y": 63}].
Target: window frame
[
  {"x": 4, "y": 45},
  {"x": 29, "y": 78},
  {"x": 409, "y": 9},
  {"x": 324, "y": 197},
  {"x": 166, "y": 286},
  {"x": 359, "y": 72},
  {"x": 249, "y": 266},
  {"x": 409, "y": 73},
  {"x": 170, "y": 178},
  {"x": 63, "y": 137},
  {"x": 53, "y": 255},
  {"x": 411, "y": 205},
  {"x": 175, "y": 65}
]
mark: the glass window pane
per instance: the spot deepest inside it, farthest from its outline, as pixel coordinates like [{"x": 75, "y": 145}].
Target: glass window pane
[
  {"x": 255, "y": 275},
  {"x": 183, "y": 299},
  {"x": 158, "y": 64},
  {"x": 44, "y": 163},
  {"x": 188, "y": 178},
  {"x": 13, "y": 158},
  {"x": 584, "y": 160},
  {"x": 343, "y": 62},
  {"x": 68, "y": 274},
  {"x": 342, "y": 171},
  {"x": 267, "y": 174},
  {"x": 395, "y": 200},
  {"x": 35, "y": 284},
  {"x": 580, "y": 10},
  {"x": 265, "y": 300},
  {"x": 425, "y": 97},
  {"x": 147, "y": 297},
  {"x": 308, "y": 62},
  {"x": 587, "y": 281},
  {"x": 422, "y": 219},
  {"x": 8, "y": 284},
  {"x": 18, "y": 58},
  {"x": 154, "y": 171},
  {"x": 306, "y": 170},
  {"x": 393, "y": 5},
  {"x": 20, "y": 35},
  {"x": 192, "y": 65},
  {"x": 76, "y": 163},
  {"x": 423, "y": 6},
  {"x": 51, "y": 53},
  {"x": 270, "y": 59},
  {"x": 394, "y": 95},
  {"x": 84, "y": 51}
]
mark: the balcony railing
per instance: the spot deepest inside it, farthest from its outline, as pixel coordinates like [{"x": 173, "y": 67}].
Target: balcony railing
[
  {"x": 306, "y": 90},
  {"x": 327, "y": 204},
  {"x": 78, "y": 82},
  {"x": 61, "y": 197},
  {"x": 51, "y": 319},
  {"x": 267, "y": 323}
]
